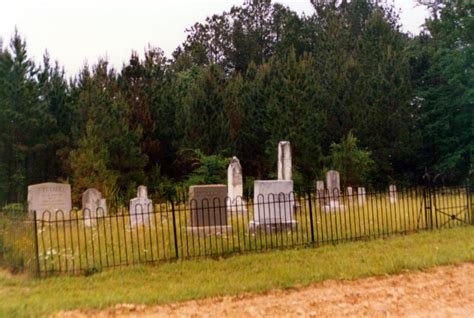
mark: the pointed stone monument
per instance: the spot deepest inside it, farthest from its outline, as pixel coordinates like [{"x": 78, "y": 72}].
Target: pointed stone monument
[
  {"x": 284, "y": 160},
  {"x": 235, "y": 187}
]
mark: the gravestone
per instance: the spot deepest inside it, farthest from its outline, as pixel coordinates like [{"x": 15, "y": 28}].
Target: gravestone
[
  {"x": 360, "y": 195},
  {"x": 235, "y": 187},
  {"x": 208, "y": 209},
  {"x": 392, "y": 189},
  {"x": 334, "y": 189},
  {"x": 141, "y": 208},
  {"x": 284, "y": 160},
  {"x": 93, "y": 206},
  {"x": 273, "y": 205},
  {"x": 52, "y": 197},
  {"x": 320, "y": 193},
  {"x": 350, "y": 195}
]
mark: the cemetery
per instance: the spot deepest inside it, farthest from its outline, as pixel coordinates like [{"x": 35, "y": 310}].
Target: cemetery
[
  {"x": 293, "y": 158},
  {"x": 216, "y": 219}
]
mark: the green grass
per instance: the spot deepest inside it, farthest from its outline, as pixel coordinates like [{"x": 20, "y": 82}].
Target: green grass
[{"x": 22, "y": 296}]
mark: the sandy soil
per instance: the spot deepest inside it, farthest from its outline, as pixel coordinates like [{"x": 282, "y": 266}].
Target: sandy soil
[{"x": 441, "y": 292}]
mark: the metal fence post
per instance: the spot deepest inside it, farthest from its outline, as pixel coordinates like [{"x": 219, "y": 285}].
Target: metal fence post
[
  {"x": 470, "y": 207},
  {"x": 428, "y": 206},
  {"x": 38, "y": 273},
  {"x": 311, "y": 217},
  {"x": 174, "y": 229}
]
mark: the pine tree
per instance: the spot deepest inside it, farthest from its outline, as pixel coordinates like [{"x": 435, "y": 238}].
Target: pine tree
[{"x": 442, "y": 61}]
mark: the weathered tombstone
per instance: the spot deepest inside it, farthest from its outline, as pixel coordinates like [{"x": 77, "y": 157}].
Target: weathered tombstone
[
  {"x": 350, "y": 195},
  {"x": 51, "y": 197},
  {"x": 208, "y": 209},
  {"x": 360, "y": 195},
  {"x": 284, "y": 160},
  {"x": 392, "y": 189},
  {"x": 273, "y": 205},
  {"x": 93, "y": 206},
  {"x": 334, "y": 189},
  {"x": 320, "y": 192},
  {"x": 235, "y": 187},
  {"x": 141, "y": 208}
]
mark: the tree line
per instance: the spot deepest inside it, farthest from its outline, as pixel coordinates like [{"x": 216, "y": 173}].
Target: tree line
[{"x": 345, "y": 85}]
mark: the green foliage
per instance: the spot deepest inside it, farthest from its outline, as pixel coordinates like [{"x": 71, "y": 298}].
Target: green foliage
[
  {"x": 208, "y": 169},
  {"x": 18, "y": 209},
  {"x": 89, "y": 165},
  {"x": 353, "y": 163},
  {"x": 241, "y": 82},
  {"x": 443, "y": 60}
]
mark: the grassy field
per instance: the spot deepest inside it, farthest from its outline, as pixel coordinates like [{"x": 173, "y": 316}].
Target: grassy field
[
  {"x": 22, "y": 296},
  {"x": 73, "y": 247}
]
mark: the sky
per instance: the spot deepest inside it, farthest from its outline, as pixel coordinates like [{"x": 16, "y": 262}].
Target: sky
[{"x": 78, "y": 31}]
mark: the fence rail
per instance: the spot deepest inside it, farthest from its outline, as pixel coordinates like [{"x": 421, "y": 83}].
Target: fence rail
[{"x": 73, "y": 243}]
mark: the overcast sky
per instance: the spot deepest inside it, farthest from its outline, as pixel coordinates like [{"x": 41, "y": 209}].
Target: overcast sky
[{"x": 76, "y": 31}]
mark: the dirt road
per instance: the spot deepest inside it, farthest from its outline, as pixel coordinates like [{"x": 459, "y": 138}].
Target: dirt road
[{"x": 441, "y": 292}]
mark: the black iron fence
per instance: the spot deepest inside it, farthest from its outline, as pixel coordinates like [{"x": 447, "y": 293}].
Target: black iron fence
[{"x": 81, "y": 241}]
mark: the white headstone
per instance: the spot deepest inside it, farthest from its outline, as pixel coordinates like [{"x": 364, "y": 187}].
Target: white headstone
[
  {"x": 392, "y": 189},
  {"x": 141, "y": 208},
  {"x": 93, "y": 206},
  {"x": 350, "y": 195},
  {"x": 361, "y": 195},
  {"x": 284, "y": 160},
  {"x": 235, "y": 187},
  {"x": 51, "y": 197},
  {"x": 334, "y": 191},
  {"x": 273, "y": 204}
]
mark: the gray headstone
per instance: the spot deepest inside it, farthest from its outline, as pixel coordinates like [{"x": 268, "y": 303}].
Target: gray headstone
[
  {"x": 333, "y": 183},
  {"x": 50, "y": 197},
  {"x": 235, "y": 187},
  {"x": 93, "y": 206},
  {"x": 320, "y": 193},
  {"x": 392, "y": 189},
  {"x": 273, "y": 203},
  {"x": 284, "y": 160},
  {"x": 141, "y": 208},
  {"x": 208, "y": 205},
  {"x": 334, "y": 191},
  {"x": 360, "y": 195}
]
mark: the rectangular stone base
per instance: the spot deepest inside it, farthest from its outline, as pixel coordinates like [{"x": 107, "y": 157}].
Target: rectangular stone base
[
  {"x": 255, "y": 226},
  {"x": 209, "y": 230},
  {"x": 240, "y": 210}
]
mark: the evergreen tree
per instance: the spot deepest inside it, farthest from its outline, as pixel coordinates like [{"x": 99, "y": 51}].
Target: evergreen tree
[
  {"x": 352, "y": 162},
  {"x": 442, "y": 60},
  {"x": 23, "y": 118},
  {"x": 203, "y": 121},
  {"x": 106, "y": 115}
]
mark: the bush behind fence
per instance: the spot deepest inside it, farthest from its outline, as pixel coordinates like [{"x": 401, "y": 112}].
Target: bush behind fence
[{"x": 71, "y": 243}]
